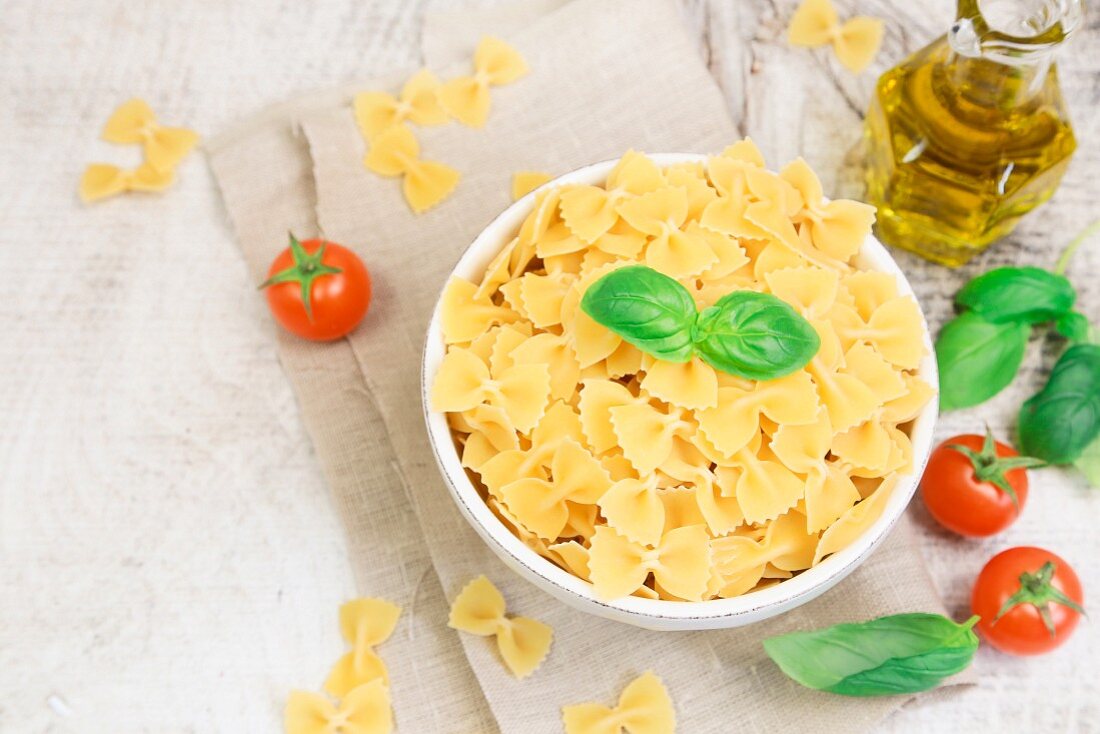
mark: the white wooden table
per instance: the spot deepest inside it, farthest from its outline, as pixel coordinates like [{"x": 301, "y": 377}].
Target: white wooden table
[{"x": 168, "y": 558}]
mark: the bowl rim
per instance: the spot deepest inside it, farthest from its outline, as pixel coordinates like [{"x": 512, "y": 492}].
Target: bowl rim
[{"x": 779, "y": 597}]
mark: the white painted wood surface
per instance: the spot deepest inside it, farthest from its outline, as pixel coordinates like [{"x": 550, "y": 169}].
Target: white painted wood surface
[{"x": 168, "y": 558}]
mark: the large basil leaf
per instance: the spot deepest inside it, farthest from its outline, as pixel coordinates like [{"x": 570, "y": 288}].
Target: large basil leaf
[
  {"x": 1029, "y": 295},
  {"x": 1063, "y": 418},
  {"x": 902, "y": 653},
  {"x": 977, "y": 358},
  {"x": 646, "y": 308},
  {"x": 754, "y": 335}
]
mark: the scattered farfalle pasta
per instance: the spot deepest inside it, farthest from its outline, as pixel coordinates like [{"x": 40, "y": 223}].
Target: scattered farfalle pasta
[
  {"x": 467, "y": 98},
  {"x": 101, "y": 180},
  {"x": 644, "y": 707},
  {"x": 376, "y": 112},
  {"x": 395, "y": 152},
  {"x": 856, "y": 41},
  {"x": 133, "y": 122},
  {"x": 674, "y": 481},
  {"x": 364, "y": 710},
  {"x": 365, "y": 624},
  {"x": 523, "y": 642},
  {"x": 524, "y": 182},
  {"x": 358, "y": 681}
]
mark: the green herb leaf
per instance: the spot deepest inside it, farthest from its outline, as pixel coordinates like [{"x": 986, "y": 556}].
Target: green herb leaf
[
  {"x": 647, "y": 309},
  {"x": 1028, "y": 295},
  {"x": 1089, "y": 463},
  {"x": 1073, "y": 326},
  {"x": 977, "y": 358},
  {"x": 902, "y": 653},
  {"x": 1063, "y": 418},
  {"x": 754, "y": 335}
]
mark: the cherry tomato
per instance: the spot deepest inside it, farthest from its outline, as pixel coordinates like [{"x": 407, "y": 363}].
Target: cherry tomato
[
  {"x": 976, "y": 486},
  {"x": 317, "y": 289},
  {"x": 1029, "y": 600}
]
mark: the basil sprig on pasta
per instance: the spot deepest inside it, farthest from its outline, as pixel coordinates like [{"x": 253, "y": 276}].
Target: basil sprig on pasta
[
  {"x": 900, "y": 653},
  {"x": 747, "y": 334}
]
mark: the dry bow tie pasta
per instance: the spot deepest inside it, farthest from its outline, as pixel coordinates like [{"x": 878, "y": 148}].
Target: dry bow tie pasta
[
  {"x": 856, "y": 41},
  {"x": 523, "y": 642},
  {"x": 674, "y": 480},
  {"x": 644, "y": 708},
  {"x": 359, "y": 679}
]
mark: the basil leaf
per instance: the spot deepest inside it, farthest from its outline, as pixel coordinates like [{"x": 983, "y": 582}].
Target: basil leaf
[
  {"x": 646, "y": 308},
  {"x": 754, "y": 335},
  {"x": 1063, "y": 418},
  {"x": 977, "y": 358},
  {"x": 1089, "y": 463},
  {"x": 1029, "y": 295},
  {"x": 1073, "y": 326},
  {"x": 902, "y": 653}
]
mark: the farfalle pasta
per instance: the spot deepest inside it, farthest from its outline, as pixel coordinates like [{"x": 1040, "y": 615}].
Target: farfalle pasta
[
  {"x": 644, "y": 707},
  {"x": 523, "y": 643},
  {"x": 674, "y": 480}
]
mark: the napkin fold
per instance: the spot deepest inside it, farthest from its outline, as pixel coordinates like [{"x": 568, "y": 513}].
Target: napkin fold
[{"x": 606, "y": 75}]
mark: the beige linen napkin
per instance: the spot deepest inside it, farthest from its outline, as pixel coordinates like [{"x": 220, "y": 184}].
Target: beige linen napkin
[{"x": 606, "y": 75}]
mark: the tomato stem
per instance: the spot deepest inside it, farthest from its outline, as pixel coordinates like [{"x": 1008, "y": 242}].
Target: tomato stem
[
  {"x": 991, "y": 468},
  {"x": 306, "y": 269},
  {"x": 1038, "y": 590}
]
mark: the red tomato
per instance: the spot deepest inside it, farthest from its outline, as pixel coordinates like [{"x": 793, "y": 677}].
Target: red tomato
[
  {"x": 975, "y": 486},
  {"x": 1029, "y": 600},
  {"x": 317, "y": 289}
]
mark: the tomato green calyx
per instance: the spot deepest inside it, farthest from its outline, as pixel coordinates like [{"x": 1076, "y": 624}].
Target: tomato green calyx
[
  {"x": 988, "y": 467},
  {"x": 1036, "y": 589},
  {"x": 306, "y": 269}
]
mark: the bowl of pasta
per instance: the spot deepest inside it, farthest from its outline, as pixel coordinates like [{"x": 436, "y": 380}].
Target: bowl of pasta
[{"x": 680, "y": 391}]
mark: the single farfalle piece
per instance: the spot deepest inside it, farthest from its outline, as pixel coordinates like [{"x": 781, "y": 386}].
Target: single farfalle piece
[
  {"x": 764, "y": 489},
  {"x": 895, "y": 329},
  {"x": 541, "y": 504},
  {"x": 676, "y": 252},
  {"x": 838, "y": 227},
  {"x": 591, "y": 212},
  {"x": 646, "y": 433},
  {"x": 395, "y": 152},
  {"x": 735, "y": 419},
  {"x": 134, "y": 122},
  {"x": 365, "y": 624},
  {"x": 467, "y": 98},
  {"x": 680, "y": 562},
  {"x": 811, "y": 290},
  {"x": 102, "y": 180},
  {"x": 855, "y": 42},
  {"x": 364, "y": 710},
  {"x": 597, "y": 398},
  {"x": 692, "y": 384},
  {"x": 418, "y": 103},
  {"x": 634, "y": 508},
  {"x": 524, "y": 182},
  {"x": 463, "y": 382},
  {"x": 786, "y": 545},
  {"x": 480, "y": 610},
  {"x": 644, "y": 707},
  {"x": 855, "y": 521},
  {"x": 465, "y": 315}
]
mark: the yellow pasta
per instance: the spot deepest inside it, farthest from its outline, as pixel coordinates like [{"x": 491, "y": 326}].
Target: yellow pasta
[
  {"x": 365, "y": 623},
  {"x": 674, "y": 481},
  {"x": 524, "y": 182},
  {"x": 418, "y": 103},
  {"x": 523, "y": 643},
  {"x": 467, "y": 98},
  {"x": 364, "y": 710},
  {"x": 644, "y": 707},
  {"x": 134, "y": 122},
  {"x": 395, "y": 152},
  {"x": 855, "y": 42},
  {"x": 102, "y": 180}
]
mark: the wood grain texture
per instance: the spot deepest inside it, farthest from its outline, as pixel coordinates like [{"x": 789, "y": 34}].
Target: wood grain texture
[{"x": 168, "y": 557}]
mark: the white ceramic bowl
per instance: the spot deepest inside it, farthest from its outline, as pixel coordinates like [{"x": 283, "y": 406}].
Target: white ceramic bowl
[{"x": 651, "y": 613}]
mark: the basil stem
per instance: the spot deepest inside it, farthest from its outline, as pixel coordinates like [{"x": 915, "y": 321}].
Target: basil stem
[{"x": 901, "y": 653}]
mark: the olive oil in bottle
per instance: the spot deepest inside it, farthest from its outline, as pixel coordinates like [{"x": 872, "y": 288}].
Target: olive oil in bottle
[{"x": 971, "y": 132}]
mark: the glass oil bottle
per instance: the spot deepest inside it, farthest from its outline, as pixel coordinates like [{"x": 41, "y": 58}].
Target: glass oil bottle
[{"x": 971, "y": 132}]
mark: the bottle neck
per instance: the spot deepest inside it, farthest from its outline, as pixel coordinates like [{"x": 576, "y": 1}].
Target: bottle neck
[{"x": 1002, "y": 50}]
